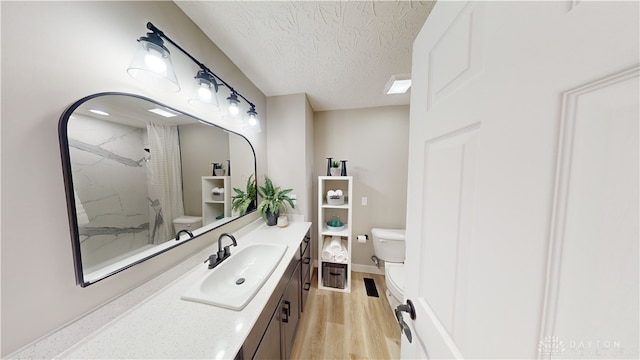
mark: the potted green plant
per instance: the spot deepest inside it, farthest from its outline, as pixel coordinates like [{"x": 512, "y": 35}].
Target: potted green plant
[
  {"x": 245, "y": 201},
  {"x": 335, "y": 168},
  {"x": 218, "y": 170},
  {"x": 273, "y": 201}
]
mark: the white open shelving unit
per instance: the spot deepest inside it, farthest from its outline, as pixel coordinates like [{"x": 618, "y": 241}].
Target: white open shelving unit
[
  {"x": 213, "y": 208},
  {"x": 326, "y": 213}
]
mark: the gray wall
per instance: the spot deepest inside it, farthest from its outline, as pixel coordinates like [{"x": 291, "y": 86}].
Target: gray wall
[
  {"x": 200, "y": 145},
  {"x": 375, "y": 141},
  {"x": 54, "y": 53},
  {"x": 290, "y": 148}
]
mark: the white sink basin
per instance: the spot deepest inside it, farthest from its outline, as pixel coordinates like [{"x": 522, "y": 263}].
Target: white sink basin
[{"x": 233, "y": 283}]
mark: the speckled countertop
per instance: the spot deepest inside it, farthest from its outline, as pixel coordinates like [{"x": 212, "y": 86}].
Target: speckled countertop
[{"x": 166, "y": 327}]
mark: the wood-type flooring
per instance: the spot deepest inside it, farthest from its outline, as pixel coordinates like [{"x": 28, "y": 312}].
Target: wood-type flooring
[{"x": 337, "y": 325}]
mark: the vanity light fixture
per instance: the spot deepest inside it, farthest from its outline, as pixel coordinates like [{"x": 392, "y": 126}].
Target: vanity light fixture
[
  {"x": 253, "y": 115},
  {"x": 398, "y": 84},
  {"x": 205, "y": 92},
  {"x": 152, "y": 64},
  {"x": 154, "y": 59},
  {"x": 252, "y": 120},
  {"x": 233, "y": 104}
]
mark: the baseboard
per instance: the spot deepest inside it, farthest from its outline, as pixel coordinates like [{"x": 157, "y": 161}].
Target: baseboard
[{"x": 369, "y": 269}]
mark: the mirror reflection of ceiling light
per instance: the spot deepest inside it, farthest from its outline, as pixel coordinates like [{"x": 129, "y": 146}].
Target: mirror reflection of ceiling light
[
  {"x": 398, "y": 84},
  {"x": 161, "y": 112},
  {"x": 99, "y": 112}
]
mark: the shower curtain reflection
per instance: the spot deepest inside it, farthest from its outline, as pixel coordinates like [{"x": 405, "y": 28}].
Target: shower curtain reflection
[{"x": 165, "y": 181}]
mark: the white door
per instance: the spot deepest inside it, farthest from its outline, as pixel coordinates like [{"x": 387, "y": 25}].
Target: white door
[{"x": 522, "y": 224}]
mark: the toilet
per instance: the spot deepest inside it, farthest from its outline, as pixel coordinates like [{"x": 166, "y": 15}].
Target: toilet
[
  {"x": 187, "y": 223},
  {"x": 389, "y": 245}
]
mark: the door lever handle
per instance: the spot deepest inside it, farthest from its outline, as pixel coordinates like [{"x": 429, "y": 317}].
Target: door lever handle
[
  {"x": 404, "y": 328},
  {"x": 408, "y": 308}
]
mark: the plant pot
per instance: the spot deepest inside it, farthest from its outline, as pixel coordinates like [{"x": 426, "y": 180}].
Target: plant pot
[
  {"x": 334, "y": 171},
  {"x": 272, "y": 218},
  {"x": 219, "y": 172}
]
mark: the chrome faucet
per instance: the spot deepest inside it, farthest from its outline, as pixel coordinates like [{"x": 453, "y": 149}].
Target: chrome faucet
[
  {"x": 185, "y": 231},
  {"x": 215, "y": 259}
]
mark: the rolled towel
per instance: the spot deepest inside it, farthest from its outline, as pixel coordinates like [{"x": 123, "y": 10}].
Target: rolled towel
[
  {"x": 326, "y": 253},
  {"x": 335, "y": 244},
  {"x": 339, "y": 193},
  {"x": 342, "y": 255},
  {"x": 331, "y": 193}
]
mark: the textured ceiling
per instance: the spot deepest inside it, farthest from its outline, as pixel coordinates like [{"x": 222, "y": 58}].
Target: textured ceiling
[{"x": 340, "y": 53}]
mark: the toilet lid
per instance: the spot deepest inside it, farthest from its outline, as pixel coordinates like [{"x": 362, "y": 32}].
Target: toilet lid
[
  {"x": 395, "y": 279},
  {"x": 187, "y": 219}
]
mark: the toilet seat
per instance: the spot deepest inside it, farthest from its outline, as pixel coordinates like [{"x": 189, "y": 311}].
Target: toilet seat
[{"x": 394, "y": 278}]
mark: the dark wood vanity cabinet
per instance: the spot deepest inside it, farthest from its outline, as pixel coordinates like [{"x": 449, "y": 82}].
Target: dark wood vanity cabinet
[
  {"x": 306, "y": 267},
  {"x": 275, "y": 330}
]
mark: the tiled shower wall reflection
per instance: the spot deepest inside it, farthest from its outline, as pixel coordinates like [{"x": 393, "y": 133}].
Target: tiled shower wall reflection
[{"x": 110, "y": 180}]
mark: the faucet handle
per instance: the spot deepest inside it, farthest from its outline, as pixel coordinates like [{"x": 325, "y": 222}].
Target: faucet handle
[
  {"x": 212, "y": 261},
  {"x": 227, "y": 250}
]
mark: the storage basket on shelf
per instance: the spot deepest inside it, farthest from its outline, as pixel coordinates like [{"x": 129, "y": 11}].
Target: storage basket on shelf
[
  {"x": 217, "y": 194},
  {"x": 334, "y": 275},
  {"x": 335, "y": 197}
]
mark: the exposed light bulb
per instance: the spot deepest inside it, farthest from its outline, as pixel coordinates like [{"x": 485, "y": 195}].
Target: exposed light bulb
[
  {"x": 253, "y": 121},
  {"x": 204, "y": 92},
  {"x": 154, "y": 61},
  {"x": 233, "y": 109}
]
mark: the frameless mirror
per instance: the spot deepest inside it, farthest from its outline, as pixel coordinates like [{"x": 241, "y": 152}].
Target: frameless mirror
[{"x": 137, "y": 172}]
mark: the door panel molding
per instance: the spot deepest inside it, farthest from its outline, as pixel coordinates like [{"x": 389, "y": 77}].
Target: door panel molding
[
  {"x": 449, "y": 182},
  {"x": 457, "y": 55},
  {"x": 573, "y": 102}
]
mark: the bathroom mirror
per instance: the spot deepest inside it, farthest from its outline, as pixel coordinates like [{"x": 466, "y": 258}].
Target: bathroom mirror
[{"x": 136, "y": 172}]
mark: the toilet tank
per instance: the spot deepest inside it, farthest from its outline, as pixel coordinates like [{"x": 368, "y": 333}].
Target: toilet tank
[
  {"x": 389, "y": 244},
  {"x": 187, "y": 223}
]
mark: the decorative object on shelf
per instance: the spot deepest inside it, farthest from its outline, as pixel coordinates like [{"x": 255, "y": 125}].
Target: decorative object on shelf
[
  {"x": 283, "y": 221},
  {"x": 273, "y": 201},
  {"x": 334, "y": 170},
  {"x": 335, "y": 224},
  {"x": 335, "y": 197},
  {"x": 217, "y": 194},
  {"x": 229, "y": 167},
  {"x": 218, "y": 170},
  {"x": 152, "y": 64},
  {"x": 329, "y": 166},
  {"x": 245, "y": 201},
  {"x": 344, "y": 168}
]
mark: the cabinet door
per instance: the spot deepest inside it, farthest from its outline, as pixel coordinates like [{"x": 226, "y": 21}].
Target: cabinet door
[
  {"x": 270, "y": 346},
  {"x": 305, "y": 271},
  {"x": 290, "y": 308}
]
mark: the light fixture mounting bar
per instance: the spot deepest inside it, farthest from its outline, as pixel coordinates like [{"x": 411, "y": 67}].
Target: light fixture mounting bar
[{"x": 202, "y": 66}]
